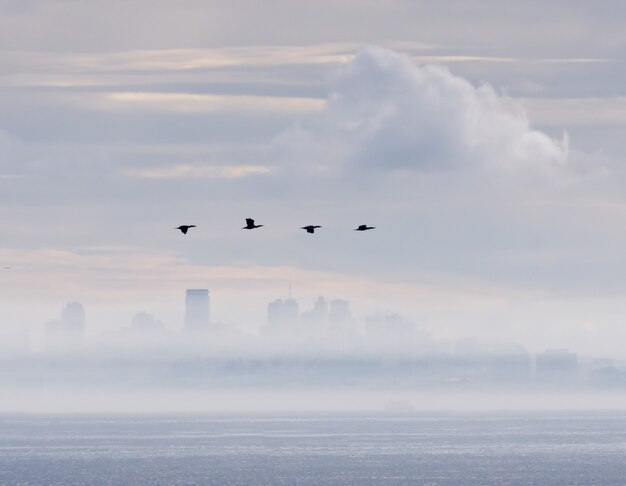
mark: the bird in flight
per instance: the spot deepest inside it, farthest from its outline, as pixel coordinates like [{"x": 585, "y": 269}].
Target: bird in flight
[
  {"x": 185, "y": 227},
  {"x": 310, "y": 228},
  {"x": 250, "y": 224},
  {"x": 364, "y": 227}
]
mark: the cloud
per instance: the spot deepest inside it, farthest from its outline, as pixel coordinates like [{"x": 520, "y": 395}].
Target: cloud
[
  {"x": 12, "y": 153},
  {"x": 197, "y": 103},
  {"x": 609, "y": 110},
  {"x": 197, "y": 171},
  {"x": 386, "y": 113},
  {"x": 127, "y": 275}
]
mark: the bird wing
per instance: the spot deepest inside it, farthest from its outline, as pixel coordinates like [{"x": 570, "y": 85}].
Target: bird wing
[{"x": 249, "y": 222}]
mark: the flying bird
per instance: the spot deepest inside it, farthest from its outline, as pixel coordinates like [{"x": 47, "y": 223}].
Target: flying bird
[
  {"x": 310, "y": 228},
  {"x": 364, "y": 227},
  {"x": 185, "y": 227},
  {"x": 250, "y": 224}
]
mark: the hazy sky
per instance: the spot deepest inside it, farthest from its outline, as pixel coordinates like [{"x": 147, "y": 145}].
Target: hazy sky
[{"x": 484, "y": 140}]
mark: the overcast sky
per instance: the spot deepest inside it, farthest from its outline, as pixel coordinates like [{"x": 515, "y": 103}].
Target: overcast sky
[{"x": 484, "y": 140}]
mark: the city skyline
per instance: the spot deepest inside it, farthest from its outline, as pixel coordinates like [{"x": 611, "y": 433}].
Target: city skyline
[
  {"x": 327, "y": 320},
  {"x": 321, "y": 347}
]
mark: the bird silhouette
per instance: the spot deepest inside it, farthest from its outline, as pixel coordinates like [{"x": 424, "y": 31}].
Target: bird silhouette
[
  {"x": 310, "y": 228},
  {"x": 250, "y": 224},
  {"x": 364, "y": 227},
  {"x": 185, "y": 227}
]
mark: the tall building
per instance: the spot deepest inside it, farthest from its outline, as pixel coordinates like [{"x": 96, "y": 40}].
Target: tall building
[
  {"x": 274, "y": 312},
  {"x": 320, "y": 308},
  {"x": 340, "y": 321},
  {"x": 282, "y": 316},
  {"x": 197, "y": 310},
  {"x": 73, "y": 315},
  {"x": 315, "y": 320},
  {"x": 339, "y": 312},
  {"x": 282, "y": 312},
  {"x": 67, "y": 333}
]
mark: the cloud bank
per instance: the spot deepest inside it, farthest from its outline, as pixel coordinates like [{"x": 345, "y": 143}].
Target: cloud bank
[{"x": 385, "y": 112}]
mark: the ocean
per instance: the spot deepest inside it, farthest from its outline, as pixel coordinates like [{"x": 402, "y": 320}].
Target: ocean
[{"x": 314, "y": 449}]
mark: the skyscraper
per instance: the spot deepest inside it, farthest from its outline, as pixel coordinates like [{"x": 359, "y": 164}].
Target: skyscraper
[
  {"x": 339, "y": 317},
  {"x": 197, "y": 310},
  {"x": 314, "y": 321},
  {"x": 339, "y": 312},
  {"x": 320, "y": 308},
  {"x": 281, "y": 313},
  {"x": 282, "y": 316}
]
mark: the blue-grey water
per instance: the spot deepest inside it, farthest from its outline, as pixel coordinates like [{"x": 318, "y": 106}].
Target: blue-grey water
[{"x": 529, "y": 449}]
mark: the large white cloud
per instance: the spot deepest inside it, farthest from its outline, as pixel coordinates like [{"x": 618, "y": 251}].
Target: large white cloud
[{"x": 386, "y": 112}]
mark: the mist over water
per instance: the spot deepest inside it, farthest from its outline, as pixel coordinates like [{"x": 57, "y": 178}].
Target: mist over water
[{"x": 323, "y": 359}]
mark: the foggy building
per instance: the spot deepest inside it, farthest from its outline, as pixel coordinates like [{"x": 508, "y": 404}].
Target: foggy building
[
  {"x": 340, "y": 324},
  {"x": 314, "y": 321},
  {"x": 274, "y": 312},
  {"x": 73, "y": 315},
  {"x": 197, "y": 310},
  {"x": 339, "y": 311},
  {"x": 557, "y": 366},
  {"x": 320, "y": 309},
  {"x": 507, "y": 366},
  {"x": 607, "y": 376},
  {"x": 67, "y": 333},
  {"x": 493, "y": 361},
  {"x": 146, "y": 323},
  {"x": 282, "y": 315},
  {"x": 391, "y": 324},
  {"x": 339, "y": 317}
]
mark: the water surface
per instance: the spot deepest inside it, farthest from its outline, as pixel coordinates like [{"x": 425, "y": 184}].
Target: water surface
[{"x": 541, "y": 449}]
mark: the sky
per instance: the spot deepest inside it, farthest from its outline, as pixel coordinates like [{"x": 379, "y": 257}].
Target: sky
[{"x": 484, "y": 140}]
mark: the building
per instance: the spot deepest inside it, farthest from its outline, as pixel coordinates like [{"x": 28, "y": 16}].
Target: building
[
  {"x": 282, "y": 316},
  {"x": 196, "y": 310},
  {"x": 339, "y": 314},
  {"x": 67, "y": 333},
  {"x": 557, "y": 367},
  {"x": 313, "y": 323},
  {"x": 146, "y": 323},
  {"x": 388, "y": 324},
  {"x": 320, "y": 309},
  {"x": 282, "y": 312}
]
